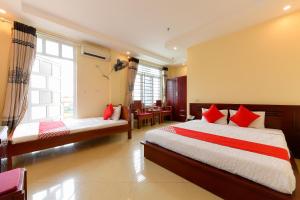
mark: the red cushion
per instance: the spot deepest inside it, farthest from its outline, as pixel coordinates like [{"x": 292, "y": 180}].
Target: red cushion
[
  {"x": 109, "y": 110},
  {"x": 9, "y": 181},
  {"x": 212, "y": 114},
  {"x": 243, "y": 117}
]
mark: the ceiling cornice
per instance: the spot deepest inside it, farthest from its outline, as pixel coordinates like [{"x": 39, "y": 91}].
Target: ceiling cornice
[{"x": 97, "y": 37}]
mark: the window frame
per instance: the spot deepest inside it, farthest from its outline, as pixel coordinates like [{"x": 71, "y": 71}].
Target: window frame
[
  {"x": 29, "y": 111},
  {"x": 142, "y": 82},
  {"x": 28, "y": 117}
]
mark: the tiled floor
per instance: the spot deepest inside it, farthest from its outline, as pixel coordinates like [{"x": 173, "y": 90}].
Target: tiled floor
[{"x": 108, "y": 168}]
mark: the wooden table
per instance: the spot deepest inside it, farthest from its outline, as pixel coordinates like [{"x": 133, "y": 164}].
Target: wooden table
[
  {"x": 156, "y": 114},
  {"x": 144, "y": 117}
]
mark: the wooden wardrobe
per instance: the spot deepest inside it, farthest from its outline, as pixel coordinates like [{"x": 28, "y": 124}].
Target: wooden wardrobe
[{"x": 177, "y": 97}]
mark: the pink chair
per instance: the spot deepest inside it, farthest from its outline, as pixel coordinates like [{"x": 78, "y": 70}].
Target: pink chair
[{"x": 13, "y": 185}]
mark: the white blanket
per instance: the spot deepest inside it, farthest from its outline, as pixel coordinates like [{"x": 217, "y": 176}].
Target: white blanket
[
  {"x": 272, "y": 172},
  {"x": 29, "y": 131}
]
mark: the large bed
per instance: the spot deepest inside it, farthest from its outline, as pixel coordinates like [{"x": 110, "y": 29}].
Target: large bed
[
  {"x": 228, "y": 172},
  {"x": 25, "y": 138}
]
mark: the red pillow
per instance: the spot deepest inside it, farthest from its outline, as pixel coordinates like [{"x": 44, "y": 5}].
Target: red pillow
[
  {"x": 109, "y": 110},
  {"x": 212, "y": 114},
  {"x": 244, "y": 117}
]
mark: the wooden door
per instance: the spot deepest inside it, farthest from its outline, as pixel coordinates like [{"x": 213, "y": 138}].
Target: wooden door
[
  {"x": 170, "y": 92},
  {"x": 181, "y": 98},
  {"x": 171, "y": 96},
  {"x": 177, "y": 97}
]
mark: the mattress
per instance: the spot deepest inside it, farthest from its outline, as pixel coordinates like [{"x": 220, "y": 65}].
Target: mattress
[
  {"x": 271, "y": 172},
  {"x": 29, "y": 131}
]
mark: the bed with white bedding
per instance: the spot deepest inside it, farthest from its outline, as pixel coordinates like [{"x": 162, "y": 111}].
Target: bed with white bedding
[
  {"x": 30, "y": 137},
  {"x": 274, "y": 173},
  {"x": 29, "y": 131},
  {"x": 269, "y": 171}
]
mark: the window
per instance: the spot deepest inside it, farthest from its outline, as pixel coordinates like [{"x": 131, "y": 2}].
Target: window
[
  {"x": 52, "y": 82},
  {"x": 148, "y": 85}
]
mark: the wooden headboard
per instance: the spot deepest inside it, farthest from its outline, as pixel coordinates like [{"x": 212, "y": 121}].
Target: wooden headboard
[{"x": 284, "y": 117}]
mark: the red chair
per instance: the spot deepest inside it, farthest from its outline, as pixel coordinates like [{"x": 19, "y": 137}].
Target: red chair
[
  {"x": 140, "y": 114},
  {"x": 13, "y": 185}
]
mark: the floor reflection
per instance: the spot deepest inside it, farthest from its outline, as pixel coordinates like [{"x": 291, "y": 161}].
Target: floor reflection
[
  {"x": 138, "y": 165},
  {"x": 91, "y": 171},
  {"x": 65, "y": 190}
]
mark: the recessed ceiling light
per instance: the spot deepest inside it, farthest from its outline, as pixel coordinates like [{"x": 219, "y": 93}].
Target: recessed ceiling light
[
  {"x": 287, "y": 7},
  {"x": 2, "y": 11},
  {"x": 175, "y": 48},
  {"x": 128, "y": 52}
]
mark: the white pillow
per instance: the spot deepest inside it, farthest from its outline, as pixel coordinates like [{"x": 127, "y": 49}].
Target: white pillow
[
  {"x": 222, "y": 120},
  {"x": 258, "y": 123},
  {"x": 117, "y": 113}
]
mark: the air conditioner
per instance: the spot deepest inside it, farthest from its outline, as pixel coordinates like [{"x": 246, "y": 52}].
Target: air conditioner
[{"x": 99, "y": 53}]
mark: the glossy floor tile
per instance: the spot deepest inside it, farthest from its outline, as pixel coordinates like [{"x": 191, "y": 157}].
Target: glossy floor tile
[{"x": 109, "y": 168}]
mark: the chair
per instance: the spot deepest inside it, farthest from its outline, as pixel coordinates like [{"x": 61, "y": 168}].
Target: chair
[
  {"x": 166, "y": 111},
  {"x": 158, "y": 103},
  {"x": 13, "y": 185},
  {"x": 140, "y": 114}
]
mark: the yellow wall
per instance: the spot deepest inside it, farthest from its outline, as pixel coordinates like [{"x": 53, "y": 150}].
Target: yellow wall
[
  {"x": 5, "y": 31},
  {"x": 259, "y": 65},
  {"x": 176, "y": 71},
  {"x": 118, "y": 81},
  {"x": 93, "y": 90}
]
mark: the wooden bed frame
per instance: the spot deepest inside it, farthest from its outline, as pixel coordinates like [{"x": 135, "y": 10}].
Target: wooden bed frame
[
  {"x": 220, "y": 182},
  {"x": 37, "y": 145}
]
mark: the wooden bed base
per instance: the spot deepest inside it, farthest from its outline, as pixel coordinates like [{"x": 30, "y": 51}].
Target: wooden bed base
[
  {"x": 37, "y": 145},
  {"x": 219, "y": 182},
  {"x": 225, "y": 184}
]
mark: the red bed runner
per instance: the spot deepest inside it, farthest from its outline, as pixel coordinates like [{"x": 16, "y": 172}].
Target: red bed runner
[
  {"x": 264, "y": 149},
  {"x": 49, "y": 129}
]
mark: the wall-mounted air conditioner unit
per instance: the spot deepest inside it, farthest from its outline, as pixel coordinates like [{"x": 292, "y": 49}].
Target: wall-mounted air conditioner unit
[{"x": 103, "y": 54}]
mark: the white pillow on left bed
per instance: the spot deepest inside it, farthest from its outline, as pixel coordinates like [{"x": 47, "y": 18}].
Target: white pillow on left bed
[
  {"x": 222, "y": 120},
  {"x": 117, "y": 113}
]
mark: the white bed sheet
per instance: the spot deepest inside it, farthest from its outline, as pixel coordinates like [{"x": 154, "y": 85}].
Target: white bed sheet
[
  {"x": 266, "y": 170},
  {"x": 29, "y": 131}
]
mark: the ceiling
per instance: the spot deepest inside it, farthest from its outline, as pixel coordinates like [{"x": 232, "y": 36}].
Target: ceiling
[{"x": 140, "y": 26}]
